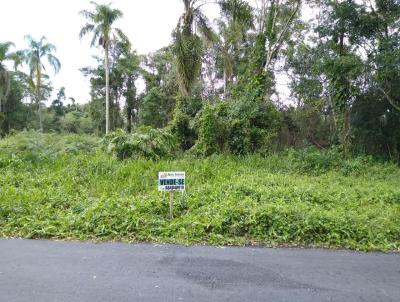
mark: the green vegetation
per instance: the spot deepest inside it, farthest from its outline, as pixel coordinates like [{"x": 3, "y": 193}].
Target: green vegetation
[
  {"x": 144, "y": 143},
  {"x": 257, "y": 79},
  {"x": 315, "y": 166},
  {"x": 32, "y": 146},
  {"x": 65, "y": 187}
]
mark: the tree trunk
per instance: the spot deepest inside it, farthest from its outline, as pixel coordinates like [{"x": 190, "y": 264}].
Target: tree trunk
[
  {"x": 107, "y": 91},
  {"x": 40, "y": 117},
  {"x": 389, "y": 99},
  {"x": 38, "y": 76},
  {"x": 129, "y": 104},
  {"x": 333, "y": 113},
  {"x": 5, "y": 91},
  {"x": 225, "y": 84},
  {"x": 346, "y": 132},
  {"x": 129, "y": 120}
]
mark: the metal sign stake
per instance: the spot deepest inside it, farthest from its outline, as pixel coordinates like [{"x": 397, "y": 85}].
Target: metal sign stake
[{"x": 171, "y": 204}]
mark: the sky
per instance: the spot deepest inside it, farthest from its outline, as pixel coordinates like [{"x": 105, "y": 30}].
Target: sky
[{"x": 147, "y": 23}]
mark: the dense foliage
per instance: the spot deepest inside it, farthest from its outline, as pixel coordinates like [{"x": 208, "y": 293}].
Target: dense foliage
[
  {"x": 218, "y": 88},
  {"x": 144, "y": 143},
  {"x": 237, "y": 127},
  {"x": 294, "y": 198}
]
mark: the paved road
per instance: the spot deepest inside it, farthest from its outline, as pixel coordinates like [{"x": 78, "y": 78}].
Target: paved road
[{"x": 48, "y": 271}]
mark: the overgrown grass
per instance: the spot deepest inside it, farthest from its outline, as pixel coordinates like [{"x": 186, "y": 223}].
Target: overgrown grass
[
  {"x": 294, "y": 198},
  {"x": 34, "y": 146}
]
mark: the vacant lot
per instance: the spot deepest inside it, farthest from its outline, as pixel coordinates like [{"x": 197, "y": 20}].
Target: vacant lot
[{"x": 67, "y": 188}]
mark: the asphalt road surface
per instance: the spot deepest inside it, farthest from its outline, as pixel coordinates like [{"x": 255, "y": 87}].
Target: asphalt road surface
[{"x": 48, "y": 271}]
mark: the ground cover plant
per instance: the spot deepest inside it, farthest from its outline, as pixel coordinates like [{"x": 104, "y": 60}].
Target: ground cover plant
[{"x": 306, "y": 197}]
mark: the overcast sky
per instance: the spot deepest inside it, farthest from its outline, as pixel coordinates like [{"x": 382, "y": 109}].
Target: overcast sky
[{"x": 148, "y": 24}]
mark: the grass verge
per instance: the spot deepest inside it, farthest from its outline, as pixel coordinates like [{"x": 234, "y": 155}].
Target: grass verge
[{"x": 286, "y": 199}]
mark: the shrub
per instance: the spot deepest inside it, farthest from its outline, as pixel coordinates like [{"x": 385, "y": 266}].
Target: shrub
[
  {"x": 237, "y": 127},
  {"x": 146, "y": 142},
  {"x": 213, "y": 129},
  {"x": 182, "y": 128}
]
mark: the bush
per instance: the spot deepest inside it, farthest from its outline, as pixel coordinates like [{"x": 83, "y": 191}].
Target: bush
[
  {"x": 183, "y": 129},
  {"x": 146, "y": 142},
  {"x": 238, "y": 128},
  {"x": 213, "y": 129}
]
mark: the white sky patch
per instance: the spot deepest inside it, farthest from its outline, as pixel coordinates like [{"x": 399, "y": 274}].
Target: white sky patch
[{"x": 147, "y": 23}]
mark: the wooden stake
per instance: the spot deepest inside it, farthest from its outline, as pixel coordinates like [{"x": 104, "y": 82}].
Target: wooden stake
[{"x": 171, "y": 204}]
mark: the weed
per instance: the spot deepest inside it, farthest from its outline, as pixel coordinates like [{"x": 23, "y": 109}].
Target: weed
[{"x": 288, "y": 198}]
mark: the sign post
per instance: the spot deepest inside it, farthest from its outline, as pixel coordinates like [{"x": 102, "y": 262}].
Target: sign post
[
  {"x": 171, "y": 182},
  {"x": 171, "y": 204}
]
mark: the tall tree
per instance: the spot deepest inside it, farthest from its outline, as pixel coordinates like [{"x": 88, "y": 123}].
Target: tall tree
[
  {"x": 379, "y": 25},
  {"x": 349, "y": 67},
  {"x": 15, "y": 110},
  {"x": 5, "y": 76},
  {"x": 237, "y": 19},
  {"x": 188, "y": 44},
  {"x": 100, "y": 23},
  {"x": 128, "y": 67},
  {"x": 275, "y": 23},
  {"x": 38, "y": 53},
  {"x": 160, "y": 78}
]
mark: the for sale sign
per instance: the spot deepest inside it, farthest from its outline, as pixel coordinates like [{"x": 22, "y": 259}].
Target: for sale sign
[{"x": 171, "y": 181}]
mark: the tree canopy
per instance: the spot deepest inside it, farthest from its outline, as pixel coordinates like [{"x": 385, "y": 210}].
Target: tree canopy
[{"x": 263, "y": 76}]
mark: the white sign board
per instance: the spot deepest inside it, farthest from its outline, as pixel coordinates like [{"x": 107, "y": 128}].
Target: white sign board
[{"x": 171, "y": 181}]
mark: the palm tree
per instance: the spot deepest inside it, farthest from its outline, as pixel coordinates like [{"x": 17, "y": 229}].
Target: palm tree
[
  {"x": 238, "y": 19},
  {"x": 5, "y": 77},
  {"x": 34, "y": 57},
  {"x": 100, "y": 24},
  {"x": 188, "y": 45}
]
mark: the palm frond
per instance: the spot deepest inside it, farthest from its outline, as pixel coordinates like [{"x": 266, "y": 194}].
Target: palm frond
[
  {"x": 54, "y": 62},
  {"x": 188, "y": 53},
  {"x": 47, "y": 48},
  {"x": 85, "y": 30},
  {"x": 122, "y": 36},
  {"x": 87, "y": 14},
  {"x": 96, "y": 37},
  {"x": 204, "y": 26},
  {"x": 238, "y": 11},
  {"x": 32, "y": 44},
  {"x": 18, "y": 58},
  {"x": 4, "y": 49},
  {"x": 100, "y": 24}
]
